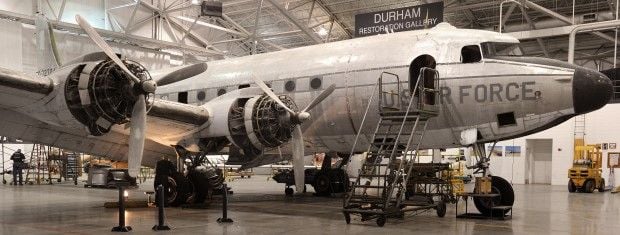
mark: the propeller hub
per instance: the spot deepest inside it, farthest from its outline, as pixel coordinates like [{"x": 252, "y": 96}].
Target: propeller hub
[
  {"x": 303, "y": 116},
  {"x": 148, "y": 86}
]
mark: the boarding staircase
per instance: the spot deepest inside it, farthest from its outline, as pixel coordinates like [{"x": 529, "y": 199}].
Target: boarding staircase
[{"x": 380, "y": 187}]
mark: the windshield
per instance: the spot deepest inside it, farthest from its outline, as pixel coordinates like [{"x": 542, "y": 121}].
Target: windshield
[{"x": 492, "y": 49}]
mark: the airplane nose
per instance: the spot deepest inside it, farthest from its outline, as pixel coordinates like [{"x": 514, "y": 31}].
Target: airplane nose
[{"x": 591, "y": 90}]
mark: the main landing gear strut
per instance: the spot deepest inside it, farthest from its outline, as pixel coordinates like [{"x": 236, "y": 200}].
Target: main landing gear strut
[
  {"x": 489, "y": 205},
  {"x": 196, "y": 186}
]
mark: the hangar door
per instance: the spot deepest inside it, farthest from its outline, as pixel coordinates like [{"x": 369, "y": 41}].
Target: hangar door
[{"x": 538, "y": 161}]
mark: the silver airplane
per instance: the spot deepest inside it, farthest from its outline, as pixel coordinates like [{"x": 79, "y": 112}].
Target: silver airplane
[{"x": 252, "y": 107}]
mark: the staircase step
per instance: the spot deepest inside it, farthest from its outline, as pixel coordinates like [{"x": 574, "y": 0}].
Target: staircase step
[
  {"x": 386, "y": 133},
  {"x": 375, "y": 164},
  {"x": 372, "y": 175},
  {"x": 369, "y": 186},
  {"x": 390, "y": 143},
  {"x": 400, "y": 118},
  {"x": 366, "y": 197}
]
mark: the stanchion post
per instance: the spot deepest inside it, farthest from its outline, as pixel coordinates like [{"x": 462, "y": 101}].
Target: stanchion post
[
  {"x": 121, "y": 212},
  {"x": 225, "y": 218},
  {"x": 161, "y": 225}
]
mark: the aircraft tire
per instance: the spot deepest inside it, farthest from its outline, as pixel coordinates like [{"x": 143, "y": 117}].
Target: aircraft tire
[
  {"x": 507, "y": 197},
  {"x": 339, "y": 180},
  {"x": 200, "y": 186},
  {"x": 322, "y": 184},
  {"x": 177, "y": 188}
]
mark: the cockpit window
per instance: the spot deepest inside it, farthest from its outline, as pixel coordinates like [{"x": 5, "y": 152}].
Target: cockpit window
[
  {"x": 491, "y": 49},
  {"x": 470, "y": 54}
]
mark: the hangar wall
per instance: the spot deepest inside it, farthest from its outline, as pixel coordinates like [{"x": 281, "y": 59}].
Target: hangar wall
[{"x": 601, "y": 127}]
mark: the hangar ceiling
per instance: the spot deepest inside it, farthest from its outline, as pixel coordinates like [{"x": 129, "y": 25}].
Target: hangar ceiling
[{"x": 256, "y": 26}]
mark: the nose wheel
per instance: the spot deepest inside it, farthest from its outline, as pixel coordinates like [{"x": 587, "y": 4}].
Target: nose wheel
[{"x": 497, "y": 206}]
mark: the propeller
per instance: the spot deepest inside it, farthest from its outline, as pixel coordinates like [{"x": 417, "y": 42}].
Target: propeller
[
  {"x": 297, "y": 119},
  {"x": 138, "y": 114},
  {"x": 180, "y": 74}
]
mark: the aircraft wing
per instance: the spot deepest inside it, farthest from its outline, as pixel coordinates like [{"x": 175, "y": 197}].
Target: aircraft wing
[
  {"x": 19, "y": 89},
  {"x": 34, "y": 109}
]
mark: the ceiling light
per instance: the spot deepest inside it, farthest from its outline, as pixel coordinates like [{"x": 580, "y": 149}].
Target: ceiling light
[
  {"x": 322, "y": 31},
  {"x": 196, "y": 2}
]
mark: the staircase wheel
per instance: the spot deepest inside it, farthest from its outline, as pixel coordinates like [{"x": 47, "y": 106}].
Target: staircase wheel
[
  {"x": 441, "y": 209},
  {"x": 347, "y": 217},
  {"x": 381, "y": 220}
]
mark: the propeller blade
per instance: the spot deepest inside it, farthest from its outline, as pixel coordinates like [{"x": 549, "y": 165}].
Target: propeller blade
[
  {"x": 181, "y": 74},
  {"x": 136, "y": 136},
  {"x": 298, "y": 159},
  {"x": 320, "y": 98},
  {"x": 270, "y": 93},
  {"x": 93, "y": 35}
]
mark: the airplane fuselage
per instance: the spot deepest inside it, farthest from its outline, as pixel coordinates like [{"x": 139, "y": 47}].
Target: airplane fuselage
[{"x": 500, "y": 97}]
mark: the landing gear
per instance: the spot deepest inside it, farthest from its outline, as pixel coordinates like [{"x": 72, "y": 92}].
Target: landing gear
[
  {"x": 330, "y": 180},
  {"x": 177, "y": 188},
  {"x": 326, "y": 181},
  {"x": 496, "y": 206},
  {"x": 381, "y": 220},
  {"x": 288, "y": 191},
  {"x": 201, "y": 182},
  {"x": 505, "y": 200}
]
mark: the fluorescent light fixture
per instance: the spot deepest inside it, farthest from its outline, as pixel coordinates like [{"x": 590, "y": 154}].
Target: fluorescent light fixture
[
  {"x": 322, "y": 31},
  {"x": 196, "y": 2}
]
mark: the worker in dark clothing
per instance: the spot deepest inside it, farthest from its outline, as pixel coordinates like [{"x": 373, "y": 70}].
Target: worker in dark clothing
[{"x": 18, "y": 163}]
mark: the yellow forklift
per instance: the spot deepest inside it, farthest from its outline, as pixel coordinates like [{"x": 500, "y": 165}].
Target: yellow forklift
[{"x": 586, "y": 173}]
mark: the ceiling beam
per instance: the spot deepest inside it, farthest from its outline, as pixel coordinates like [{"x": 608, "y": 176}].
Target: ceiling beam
[
  {"x": 540, "y": 41},
  {"x": 243, "y": 30},
  {"x": 144, "y": 42},
  {"x": 310, "y": 33},
  {"x": 562, "y": 18}
]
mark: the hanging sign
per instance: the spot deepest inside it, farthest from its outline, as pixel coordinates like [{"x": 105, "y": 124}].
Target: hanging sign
[{"x": 396, "y": 20}]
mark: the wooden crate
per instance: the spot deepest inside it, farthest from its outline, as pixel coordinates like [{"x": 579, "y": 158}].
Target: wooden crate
[{"x": 483, "y": 185}]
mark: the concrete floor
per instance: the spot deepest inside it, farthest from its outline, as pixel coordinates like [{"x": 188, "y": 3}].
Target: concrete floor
[{"x": 259, "y": 207}]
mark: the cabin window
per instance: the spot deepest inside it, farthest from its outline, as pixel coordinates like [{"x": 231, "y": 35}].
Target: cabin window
[
  {"x": 506, "y": 119},
  {"x": 201, "y": 96},
  {"x": 244, "y": 86},
  {"x": 315, "y": 83},
  {"x": 289, "y": 86},
  {"x": 182, "y": 98},
  {"x": 221, "y": 92},
  {"x": 471, "y": 54}
]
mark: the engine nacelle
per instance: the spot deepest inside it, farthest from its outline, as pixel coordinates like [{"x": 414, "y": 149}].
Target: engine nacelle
[
  {"x": 251, "y": 123},
  {"x": 100, "y": 94}
]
